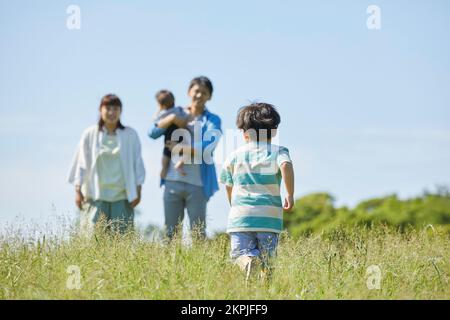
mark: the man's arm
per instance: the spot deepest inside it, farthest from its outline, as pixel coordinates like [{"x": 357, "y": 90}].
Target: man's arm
[
  {"x": 180, "y": 122},
  {"x": 165, "y": 122},
  {"x": 172, "y": 118},
  {"x": 155, "y": 132}
]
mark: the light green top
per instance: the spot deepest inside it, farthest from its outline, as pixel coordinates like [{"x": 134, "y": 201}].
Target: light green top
[{"x": 109, "y": 168}]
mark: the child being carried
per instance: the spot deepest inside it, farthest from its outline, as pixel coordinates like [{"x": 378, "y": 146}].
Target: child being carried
[{"x": 177, "y": 118}]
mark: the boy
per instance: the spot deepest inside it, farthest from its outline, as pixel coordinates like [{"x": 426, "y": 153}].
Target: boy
[
  {"x": 252, "y": 175},
  {"x": 168, "y": 111}
]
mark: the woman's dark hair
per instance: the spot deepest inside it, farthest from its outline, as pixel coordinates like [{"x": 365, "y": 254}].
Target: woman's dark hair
[
  {"x": 110, "y": 100},
  {"x": 165, "y": 98},
  {"x": 202, "y": 81},
  {"x": 258, "y": 116}
]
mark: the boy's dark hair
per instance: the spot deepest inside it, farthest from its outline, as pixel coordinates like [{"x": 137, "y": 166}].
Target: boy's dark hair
[
  {"x": 258, "y": 116},
  {"x": 202, "y": 81},
  {"x": 110, "y": 100},
  {"x": 165, "y": 98}
]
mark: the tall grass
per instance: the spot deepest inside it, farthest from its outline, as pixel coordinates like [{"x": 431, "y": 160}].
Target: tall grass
[{"x": 413, "y": 265}]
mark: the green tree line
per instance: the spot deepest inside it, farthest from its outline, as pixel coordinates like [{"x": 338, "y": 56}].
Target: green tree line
[{"x": 317, "y": 212}]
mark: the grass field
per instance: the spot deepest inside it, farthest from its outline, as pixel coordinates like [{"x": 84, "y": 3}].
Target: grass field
[{"x": 336, "y": 265}]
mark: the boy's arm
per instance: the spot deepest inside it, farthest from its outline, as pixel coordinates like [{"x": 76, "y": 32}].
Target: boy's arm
[
  {"x": 287, "y": 173},
  {"x": 226, "y": 177},
  {"x": 229, "y": 191}
]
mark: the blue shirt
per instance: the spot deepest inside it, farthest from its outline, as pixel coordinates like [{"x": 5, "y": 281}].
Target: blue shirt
[{"x": 211, "y": 132}]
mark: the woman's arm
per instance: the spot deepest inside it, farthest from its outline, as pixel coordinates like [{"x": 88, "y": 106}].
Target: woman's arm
[
  {"x": 79, "y": 198},
  {"x": 79, "y": 162},
  {"x": 136, "y": 201},
  {"x": 138, "y": 162},
  {"x": 79, "y": 168},
  {"x": 138, "y": 168}
]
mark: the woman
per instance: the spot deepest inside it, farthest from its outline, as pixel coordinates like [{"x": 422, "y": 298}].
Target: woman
[
  {"x": 192, "y": 187},
  {"x": 108, "y": 170}
]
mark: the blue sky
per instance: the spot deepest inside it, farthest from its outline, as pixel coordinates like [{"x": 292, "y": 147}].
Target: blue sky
[{"x": 364, "y": 112}]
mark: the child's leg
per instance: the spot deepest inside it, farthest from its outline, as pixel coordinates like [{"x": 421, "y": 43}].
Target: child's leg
[
  {"x": 243, "y": 244},
  {"x": 267, "y": 245},
  {"x": 179, "y": 166},
  {"x": 165, "y": 166},
  {"x": 244, "y": 251}
]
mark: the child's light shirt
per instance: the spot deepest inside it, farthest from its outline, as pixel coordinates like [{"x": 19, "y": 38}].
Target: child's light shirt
[{"x": 253, "y": 171}]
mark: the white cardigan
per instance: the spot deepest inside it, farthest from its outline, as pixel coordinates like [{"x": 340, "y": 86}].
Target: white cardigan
[{"x": 84, "y": 172}]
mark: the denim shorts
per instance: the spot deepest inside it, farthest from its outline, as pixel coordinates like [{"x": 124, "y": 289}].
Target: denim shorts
[{"x": 253, "y": 244}]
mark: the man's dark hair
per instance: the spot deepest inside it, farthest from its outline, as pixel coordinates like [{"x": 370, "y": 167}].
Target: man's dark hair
[
  {"x": 260, "y": 117},
  {"x": 202, "y": 81},
  {"x": 165, "y": 98}
]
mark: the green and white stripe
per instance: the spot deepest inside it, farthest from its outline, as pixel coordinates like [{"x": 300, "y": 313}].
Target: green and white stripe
[{"x": 253, "y": 172}]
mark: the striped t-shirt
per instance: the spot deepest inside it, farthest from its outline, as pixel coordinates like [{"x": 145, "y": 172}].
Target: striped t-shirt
[{"x": 253, "y": 171}]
